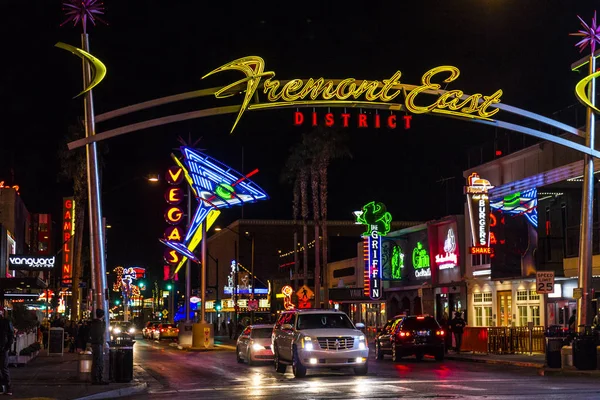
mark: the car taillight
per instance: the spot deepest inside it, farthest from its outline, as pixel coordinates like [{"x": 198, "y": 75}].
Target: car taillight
[
  {"x": 177, "y": 330},
  {"x": 162, "y": 330},
  {"x": 440, "y": 333},
  {"x": 404, "y": 334}
]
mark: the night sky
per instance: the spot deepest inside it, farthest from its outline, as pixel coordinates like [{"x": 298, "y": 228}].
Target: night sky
[{"x": 157, "y": 48}]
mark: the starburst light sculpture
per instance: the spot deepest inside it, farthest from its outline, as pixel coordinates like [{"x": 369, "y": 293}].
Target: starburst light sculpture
[
  {"x": 78, "y": 11},
  {"x": 589, "y": 33}
]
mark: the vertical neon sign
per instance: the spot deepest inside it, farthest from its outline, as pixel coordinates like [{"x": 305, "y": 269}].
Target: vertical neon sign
[
  {"x": 378, "y": 222},
  {"x": 479, "y": 213},
  {"x": 68, "y": 233}
]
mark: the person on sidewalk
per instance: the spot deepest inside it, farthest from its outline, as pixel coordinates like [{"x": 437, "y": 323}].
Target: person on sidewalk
[
  {"x": 7, "y": 335},
  {"x": 97, "y": 330},
  {"x": 457, "y": 324}
]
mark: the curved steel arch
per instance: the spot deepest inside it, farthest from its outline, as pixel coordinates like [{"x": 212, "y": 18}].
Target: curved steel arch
[{"x": 302, "y": 104}]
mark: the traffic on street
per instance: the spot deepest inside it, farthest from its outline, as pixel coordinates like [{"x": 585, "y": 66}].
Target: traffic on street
[{"x": 217, "y": 374}]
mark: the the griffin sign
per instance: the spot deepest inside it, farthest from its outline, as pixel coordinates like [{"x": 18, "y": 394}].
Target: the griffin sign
[{"x": 378, "y": 222}]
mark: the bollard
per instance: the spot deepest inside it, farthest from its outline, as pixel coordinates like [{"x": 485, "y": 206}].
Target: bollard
[
  {"x": 84, "y": 367},
  {"x": 566, "y": 354}
]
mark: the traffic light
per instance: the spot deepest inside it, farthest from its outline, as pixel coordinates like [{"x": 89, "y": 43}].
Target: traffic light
[
  {"x": 169, "y": 286},
  {"x": 218, "y": 305},
  {"x": 117, "y": 302}
]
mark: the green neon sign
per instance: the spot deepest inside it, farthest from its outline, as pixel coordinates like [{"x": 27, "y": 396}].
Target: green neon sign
[
  {"x": 376, "y": 217},
  {"x": 397, "y": 262},
  {"x": 224, "y": 191},
  {"x": 420, "y": 258}
]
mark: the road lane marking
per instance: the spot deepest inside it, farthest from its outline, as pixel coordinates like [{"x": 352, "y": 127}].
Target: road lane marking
[{"x": 460, "y": 387}]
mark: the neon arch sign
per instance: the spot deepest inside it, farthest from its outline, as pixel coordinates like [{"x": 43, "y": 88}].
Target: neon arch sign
[{"x": 333, "y": 93}]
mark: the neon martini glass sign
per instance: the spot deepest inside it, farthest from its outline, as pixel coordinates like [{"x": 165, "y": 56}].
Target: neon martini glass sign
[
  {"x": 216, "y": 186},
  {"x": 449, "y": 259}
]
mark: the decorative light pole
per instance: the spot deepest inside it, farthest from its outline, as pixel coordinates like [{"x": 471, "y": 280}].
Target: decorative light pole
[
  {"x": 80, "y": 11},
  {"x": 590, "y": 35}
]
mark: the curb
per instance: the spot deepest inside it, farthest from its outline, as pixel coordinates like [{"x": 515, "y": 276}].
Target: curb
[
  {"x": 523, "y": 364},
  {"x": 111, "y": 394},
  {"x": 220, "y": 347},
  {"x": 568, "y": 372}
]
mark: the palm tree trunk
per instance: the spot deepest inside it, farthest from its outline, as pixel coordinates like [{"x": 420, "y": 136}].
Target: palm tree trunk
[
  {"x": 323, "y": 165},
  {"x": 304, "y": 202},
  {"x": 296, "y": 207},
  {"x": 314, "y": 183}
]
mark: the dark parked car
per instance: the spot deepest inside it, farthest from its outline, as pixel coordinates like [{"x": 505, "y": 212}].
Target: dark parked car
[{"x": 410, "y": 335}]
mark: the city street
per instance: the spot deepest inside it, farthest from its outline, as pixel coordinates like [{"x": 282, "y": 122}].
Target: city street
[{"x": 217, "y": 375}]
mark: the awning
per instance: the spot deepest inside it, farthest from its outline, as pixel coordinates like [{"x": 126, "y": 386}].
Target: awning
[{"x": 22, "y": 283}]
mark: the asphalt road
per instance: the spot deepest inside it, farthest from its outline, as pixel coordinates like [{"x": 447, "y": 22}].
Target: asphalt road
[{"x": 217, "y": 375}]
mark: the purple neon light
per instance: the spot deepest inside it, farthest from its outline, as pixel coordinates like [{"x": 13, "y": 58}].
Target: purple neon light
[
  {"x": 589, "y": 33},
  {"x": 81, "y": 10}
]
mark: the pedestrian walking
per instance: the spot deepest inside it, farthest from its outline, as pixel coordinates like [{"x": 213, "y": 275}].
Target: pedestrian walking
[
  {"x": 7, "y": 335},
  {"x": 230, "y": 328},
  {"x": 457, "y": 324},
  {"x": 97, "y": 331}
]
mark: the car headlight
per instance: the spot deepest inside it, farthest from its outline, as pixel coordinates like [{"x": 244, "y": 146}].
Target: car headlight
[
  {"x": 257, "y": 347},
  {"x": 117, "y": 330},
  {"x": 308, "y": 345},
  {"x": 132, "y": 330},
  {"x": 361, "y": 343}
]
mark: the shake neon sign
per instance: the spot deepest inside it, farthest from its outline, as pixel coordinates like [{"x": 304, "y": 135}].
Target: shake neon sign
[
  {"x": 351, "y": 92},
  {"x": 479, "y": 213}
]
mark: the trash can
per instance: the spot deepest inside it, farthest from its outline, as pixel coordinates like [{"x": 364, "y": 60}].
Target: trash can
[
  {"x": 584, "y": 351},
  {"x": 555, "y": 341},
  {"x": 84, "y": 367},
  {"x": 121, "y": 359},
  {"x": 553, "y": 356}
]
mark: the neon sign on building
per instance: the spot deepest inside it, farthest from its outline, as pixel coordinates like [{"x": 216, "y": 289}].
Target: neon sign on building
[
  {"x": 449, "y": 259},
  {"x": 173, "y": 213},
  {"x": 67, "y": 238},
  {"x": 478, "y": 203},
  {"x": 378, "y": 221},
  {"x": 420, "y": 261}
]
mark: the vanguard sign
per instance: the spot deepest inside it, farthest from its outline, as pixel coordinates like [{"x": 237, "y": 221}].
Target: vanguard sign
[{"x": 22, "y": 262}]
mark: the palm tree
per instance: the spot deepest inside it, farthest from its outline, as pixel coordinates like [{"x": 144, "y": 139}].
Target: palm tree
[
  {"x": 297, "y": 171},
  {"x": 73, "y": 169},
  {"x": 331, "y": 145}
]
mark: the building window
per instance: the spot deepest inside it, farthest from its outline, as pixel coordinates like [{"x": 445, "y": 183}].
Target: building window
[
  {"x": 535, "y": 315},
  {"x": 478, "y": 316},
  {"x": 487, "y": 297},
  {"x": 522, "y": 315},
  {"x": 488, "y": 315},
  {"x": 533, "y": 295},
  {"x": 522, "y": 295},
  {"x": 477, "y": 297},
  {"x": 480, "y": 259}
]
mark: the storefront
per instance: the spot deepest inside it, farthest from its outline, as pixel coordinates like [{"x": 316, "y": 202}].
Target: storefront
[
  {"x": 449, "y": 288},
  {"x": 360, "y": 308},
  {"x": 408, "y": 286}
]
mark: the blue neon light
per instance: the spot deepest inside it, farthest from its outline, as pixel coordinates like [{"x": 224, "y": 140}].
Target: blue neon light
[
  {"x": 228, "y": 290},
  {"x": 207, "y": 174},
  {"x": 180, "y": 248},
  {"x": 527, "y": 206}
]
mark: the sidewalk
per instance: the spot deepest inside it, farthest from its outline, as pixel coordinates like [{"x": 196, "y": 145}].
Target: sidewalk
[
  {"x": 56, "y": 377},
  {"x": 537, "y": 361},
  {"x": 518, "y": 360}
]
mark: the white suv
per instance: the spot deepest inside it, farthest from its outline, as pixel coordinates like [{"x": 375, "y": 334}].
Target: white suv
[{"x": 318, "y": 339}]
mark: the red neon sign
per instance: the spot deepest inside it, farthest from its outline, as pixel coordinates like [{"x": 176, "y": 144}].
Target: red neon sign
[
  {"x": 480, "y": 250},
  {"x": 362, "y": 121},
  {"x": 67, "y": 238}
]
